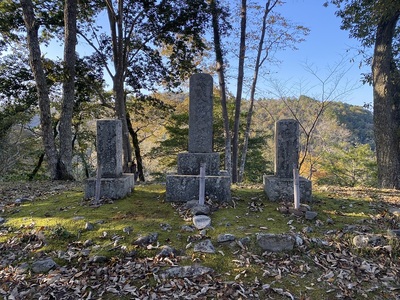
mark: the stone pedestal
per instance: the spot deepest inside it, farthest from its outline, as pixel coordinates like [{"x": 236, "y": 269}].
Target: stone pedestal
[
  {"x": 113, "y": 183},
  {"x": 279, "y": 187},
  {"x": 184, "y": 186}
]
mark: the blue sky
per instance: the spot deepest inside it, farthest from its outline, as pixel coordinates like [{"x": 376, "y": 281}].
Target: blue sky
[{"x": 325, "y": 46}]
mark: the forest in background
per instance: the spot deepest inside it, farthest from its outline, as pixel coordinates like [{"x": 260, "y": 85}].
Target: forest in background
[
  {"x": 341, "y": 149},
  {"x": 136, "y": 49}
]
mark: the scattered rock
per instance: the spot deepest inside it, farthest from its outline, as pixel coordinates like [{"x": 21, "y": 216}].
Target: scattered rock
[
  {"x": 368, "y": 240},
  {"x": 99, "y": 259},
  {"x": 78, "y": 218},
  {"x": 275, "y": 242},
  {"x": 186, "y": 271},
  {"x": 89, "y": 226},
  {"x": 187, "y": 228},
  {"x": 2, "y": 220},
  {"x": 310, "y": 215},
  {"x": 225, "y": 237},
  {"x": 201, "y": 221},
  {"x": 22, "y": 268},
  {"x": 167, "y": 251},
  {"x": 394, "y": 232},
  {"x": 127, "y": 230},
  {"x": 165, "y": 227},
  {"x": 204, "y": 246},
  {"x": 245, "y": 241},
  {"x": 146, "y": 240},
  {"x": 191, "y": 203},
  {"x": 43, "y": 266},
  {"x": 87, "y": 243},
  {"x": 329, "y": 221},
  {"x": 307, "y": 229},
  {"x": 200, "y": 210},
  {"x": 296, "y": 212}
]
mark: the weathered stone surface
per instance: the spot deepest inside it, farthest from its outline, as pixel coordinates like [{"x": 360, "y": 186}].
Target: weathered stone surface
[
  {"x": 113, "y": 184},
  {"x": 2, "y": 220},
  {"x": 225, "y": 237},
  {"x": 191, "y": 203},
  {"x": 167, "y": 251},
  {"x": 165, "y": 227},
  {"x": 275, "y": 242},
  {"x": 204, "y": 246},
  {"x": 112, "y": 188},
  {"x": 186, "y": 271},
  {"x": 200, "y": 113},
  {"x": 109, "y": 147},
  {"x": 22, "y": 268},
  {"x": 187, "y": 228},
  {"x": 43, "y": 266},
  {"x": 99, "y": 259},
  {"x": 281, "y": 189},
  {"x": 183, "y": 188},
  {"x": 146, "y": 240},
  {"x": 200, "y": 210},
  {"x": 189, "y": 163},
  {"x": 201, "y": 221},
  {"x": 286, "y": 147},
  {"x": 368, "y": 240},
  {"x": 89, "y": 226},
  {"x": 311, "y": 215}
]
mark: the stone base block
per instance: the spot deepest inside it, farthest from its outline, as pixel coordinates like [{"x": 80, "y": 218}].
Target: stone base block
[
  {"x": 113, "y": 188},
  {"x": 189, "y": 163},
  {"x": 183, "y": 188},
  {"x": 281, "y": 189}
]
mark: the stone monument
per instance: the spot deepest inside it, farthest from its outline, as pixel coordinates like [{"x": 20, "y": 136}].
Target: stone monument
[
  {"x": 279, "y": 187},
  {"x": 184, "y": 185},
  {"x": 113, "y": 183}
]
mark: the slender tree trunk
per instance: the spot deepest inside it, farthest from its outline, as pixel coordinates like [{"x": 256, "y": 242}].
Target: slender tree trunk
[
  {"x": 236, "y": 126},
  {"x": 35, "y": 61},
  {"x": 257, "y": 66},
  {"x": 119, "y": 48},
  {"x": 66, "y": 148},
  {"x": 386, "y": 105},
  {"x": 222, "y": 85},
  {"x": 136, "y": 147}
]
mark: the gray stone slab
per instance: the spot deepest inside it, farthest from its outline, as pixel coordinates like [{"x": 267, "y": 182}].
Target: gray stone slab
[
  {"x": 275, "y": 242},
  {"x": 281, "y": 189},
  {"x": 200, "y": 113},
  {"x": 286, "y": 147},
  {"x": 109, "y": 147},
  {"x": 113, "y": 188},
  {"x": 183, "y": 188},
  {"x": 189, "y": 163}
]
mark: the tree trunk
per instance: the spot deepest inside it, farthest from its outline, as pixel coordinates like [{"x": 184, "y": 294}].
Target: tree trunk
[
  {"x": 120, "y": 50},
  {"x": 136, "y": 147},
  {"x": 41, "y": 86},
  {"x": 386, "y": 105},
  {"x": 222, "y": 86},
  {"x": 65, "y": 159},
  {"x": 236, "y": 126},
  {"x": 257, "y": 66}
]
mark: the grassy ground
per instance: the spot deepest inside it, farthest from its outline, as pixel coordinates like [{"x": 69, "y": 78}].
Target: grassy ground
[{"x": 325, "y": 266}]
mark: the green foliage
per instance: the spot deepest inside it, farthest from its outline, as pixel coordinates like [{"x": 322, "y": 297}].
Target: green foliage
[{"x": 347, "y": 165}]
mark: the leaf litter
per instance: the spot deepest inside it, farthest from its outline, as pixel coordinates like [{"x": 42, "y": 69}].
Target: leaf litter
[{"x": 330, "y": 264}]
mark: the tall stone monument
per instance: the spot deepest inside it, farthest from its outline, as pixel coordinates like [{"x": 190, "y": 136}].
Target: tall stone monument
[
  {"x": 184, "y": 185},
  {"x": 279, "y": 187},
  {"x": 113, "y": 183}
]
